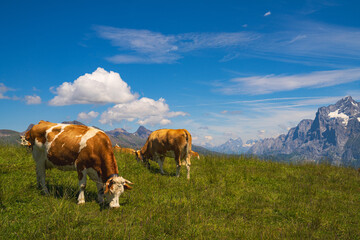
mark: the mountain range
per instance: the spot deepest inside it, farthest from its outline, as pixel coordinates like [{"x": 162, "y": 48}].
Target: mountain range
[
  {"x": 333, "y": 136},
  {"x": 233, "y": 146},
  {"x": 117, "y": 136}
]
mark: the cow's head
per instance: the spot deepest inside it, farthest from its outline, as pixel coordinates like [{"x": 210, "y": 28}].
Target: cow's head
[
  {"x": 142, "y": 158},
  {"x": 25, "y": 140},
  {"x": 114, "y": 187},
  {"x": 139, "y": 156}
]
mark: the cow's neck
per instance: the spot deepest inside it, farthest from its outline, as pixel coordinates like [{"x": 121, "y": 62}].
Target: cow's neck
[{"x": 108, "y": 169}]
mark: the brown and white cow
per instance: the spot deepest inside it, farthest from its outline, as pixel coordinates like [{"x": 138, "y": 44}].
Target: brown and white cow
[
  {"x": 117, "y": 148},
  {"x": 161, "y": 141},
  {"x": 75, "y": 147}
]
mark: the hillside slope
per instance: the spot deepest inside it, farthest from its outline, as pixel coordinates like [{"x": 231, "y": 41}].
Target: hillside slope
[{"x": 226, "y": 198}]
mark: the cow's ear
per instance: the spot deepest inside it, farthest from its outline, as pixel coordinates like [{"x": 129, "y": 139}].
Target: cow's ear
[{"x": 127, "y": 186}]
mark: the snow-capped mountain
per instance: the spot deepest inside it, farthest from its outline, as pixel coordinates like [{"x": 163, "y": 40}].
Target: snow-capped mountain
[
  {"x": 334, "y": 136},
  {"x": 234, "y": 146}
]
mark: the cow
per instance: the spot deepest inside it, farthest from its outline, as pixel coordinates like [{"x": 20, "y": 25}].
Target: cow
[
  {"x": 86, "y": 150},
  {"x": 194, "y": 154},
  {"x": 160, "y": 142},
  {"x": 117, "y": 148}
]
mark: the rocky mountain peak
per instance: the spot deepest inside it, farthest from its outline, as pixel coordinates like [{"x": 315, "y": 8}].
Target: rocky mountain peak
[
  {"x": 143, "y": 132},
  {"x": 334, "y": 134},
  {"x": 117, "y": 131}
]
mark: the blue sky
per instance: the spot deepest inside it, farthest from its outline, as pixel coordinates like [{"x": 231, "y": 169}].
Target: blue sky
[{"x": 221, "y": 69}]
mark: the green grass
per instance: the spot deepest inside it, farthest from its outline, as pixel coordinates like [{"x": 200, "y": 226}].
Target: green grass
[{"x": 226, "y": 198}]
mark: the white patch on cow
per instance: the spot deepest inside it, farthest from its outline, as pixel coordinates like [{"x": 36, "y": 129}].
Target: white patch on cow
[
  {"x": 63, "y": 145},
  {"x": 89, "y": 134},
  {"x": 336, "y": 114},
  {"x": 82, "y": 185},
  {"x": 48, "y": 144}
]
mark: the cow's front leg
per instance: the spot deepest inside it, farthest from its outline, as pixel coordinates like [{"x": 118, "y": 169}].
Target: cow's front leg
[
  {"x": 100, "y": 188},
  {"x": 40, "y": 176},
  {"x": 99, "y": 184},
  {"x": 82, "y": 185}
]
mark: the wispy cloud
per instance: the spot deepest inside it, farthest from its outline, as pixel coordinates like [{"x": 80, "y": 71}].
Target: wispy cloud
[
  {"x": 277, "y": 83},
  {"x": 144, "y": 46},
  {"x": 297, "y": 41},
  {"x": 311, "y": 41}
]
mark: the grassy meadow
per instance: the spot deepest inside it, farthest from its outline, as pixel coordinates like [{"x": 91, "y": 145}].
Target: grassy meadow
[{"x": 226, "y": 198}]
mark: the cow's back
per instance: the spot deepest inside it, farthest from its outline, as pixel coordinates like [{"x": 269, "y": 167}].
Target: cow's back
[{"x": 164, "y": 140}]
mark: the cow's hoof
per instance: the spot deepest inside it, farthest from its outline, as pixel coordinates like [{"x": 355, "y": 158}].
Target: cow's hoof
[{"x": 81, "y": 202}]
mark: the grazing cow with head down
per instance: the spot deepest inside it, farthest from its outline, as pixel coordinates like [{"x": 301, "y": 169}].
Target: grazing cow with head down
[
  {"x": 194, "y": 154},
  {"x": 161, "y": 141},
  {"x": 75, "y": 147},
  {"x": 117, "y": 148}
]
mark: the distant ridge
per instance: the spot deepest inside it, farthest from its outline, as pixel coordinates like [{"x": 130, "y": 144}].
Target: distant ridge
[{"x": 73, "y": 122}]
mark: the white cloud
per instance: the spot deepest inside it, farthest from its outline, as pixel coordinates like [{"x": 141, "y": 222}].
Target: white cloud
[
  {"x": 87, "y": 117},
  {"x": 145, "y": 110},
  {"x": 267, "y": 14},
  {"x": 3, "y": 90},
  {"x": 32, "y": 99},
  {"x": 277, "y": 83},
  {"x": 98, "y": 87}
]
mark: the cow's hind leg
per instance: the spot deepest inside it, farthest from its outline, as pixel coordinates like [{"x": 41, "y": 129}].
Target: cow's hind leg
[
  {"x": 178, "y": 163},
  {"x": 188, "y": 163},
  {"x": 160, "y": 161},
  {"x": 82, "y": 185}
]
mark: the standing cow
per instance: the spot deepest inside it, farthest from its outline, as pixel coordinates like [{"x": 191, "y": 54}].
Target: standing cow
[
  {"x": 161, "y": 141},
  {"x": 75, "y": 147}
]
